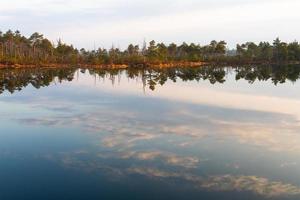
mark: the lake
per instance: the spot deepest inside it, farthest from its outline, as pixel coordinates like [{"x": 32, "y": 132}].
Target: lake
[{"x": 180, "y": 133}]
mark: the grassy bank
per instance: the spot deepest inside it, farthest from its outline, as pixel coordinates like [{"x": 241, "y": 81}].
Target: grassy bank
[{"x": 107, "y": 66}]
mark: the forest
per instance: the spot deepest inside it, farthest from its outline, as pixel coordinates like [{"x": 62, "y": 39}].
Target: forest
[{"x": 17, "y": 49}]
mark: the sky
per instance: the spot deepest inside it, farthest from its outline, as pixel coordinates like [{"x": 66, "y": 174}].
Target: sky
[{"x": 103, "y": 23}]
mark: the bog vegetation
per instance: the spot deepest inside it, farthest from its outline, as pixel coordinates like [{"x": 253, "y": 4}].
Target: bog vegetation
[{"x": 36, "y": 49}]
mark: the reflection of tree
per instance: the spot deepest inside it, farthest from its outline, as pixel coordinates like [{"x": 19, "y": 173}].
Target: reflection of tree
[
  {"x": 157, "y": 76},
  {"x": 278, "y": 74},
  {"x": 161, "y": 76},
  {"x": 15, "y": 80}
]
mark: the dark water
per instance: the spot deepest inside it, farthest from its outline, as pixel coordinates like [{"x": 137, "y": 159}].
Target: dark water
[{"x": 200, "y": 133}]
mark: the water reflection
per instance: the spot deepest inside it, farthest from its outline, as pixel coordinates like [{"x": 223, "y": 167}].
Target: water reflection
[
  {"x": 108, "y": 143},
  {"x": 15, "y": 80}
]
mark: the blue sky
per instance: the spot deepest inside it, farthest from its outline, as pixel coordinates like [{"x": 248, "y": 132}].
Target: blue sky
[{"x": 119, "y": 22}]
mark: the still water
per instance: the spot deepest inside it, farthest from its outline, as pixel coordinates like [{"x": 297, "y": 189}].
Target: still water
[{"x": 199, "y": 133}]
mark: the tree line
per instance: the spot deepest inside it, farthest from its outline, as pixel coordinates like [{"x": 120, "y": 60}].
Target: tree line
[{"x": 15, "y": 48}]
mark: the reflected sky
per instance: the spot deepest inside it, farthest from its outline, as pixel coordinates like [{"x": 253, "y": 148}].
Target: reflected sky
[{"x": 80, "y": 136}]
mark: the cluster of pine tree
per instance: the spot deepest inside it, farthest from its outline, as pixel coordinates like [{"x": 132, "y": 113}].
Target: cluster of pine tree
[
  {"x": 18, "y": 49},
  {"x": 265, "y": 52}
]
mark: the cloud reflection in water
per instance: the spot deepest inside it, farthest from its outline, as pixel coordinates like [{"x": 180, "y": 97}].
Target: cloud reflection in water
[{"x": 172, "y": 135}]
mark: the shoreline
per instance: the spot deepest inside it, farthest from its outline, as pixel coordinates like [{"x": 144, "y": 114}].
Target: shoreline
[
  {"x": 104, "y": 66},
  {"x": 141, "y": 65}
]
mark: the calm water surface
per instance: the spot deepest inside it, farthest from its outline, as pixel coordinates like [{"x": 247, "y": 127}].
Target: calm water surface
[{"x": 200, "y": 133}]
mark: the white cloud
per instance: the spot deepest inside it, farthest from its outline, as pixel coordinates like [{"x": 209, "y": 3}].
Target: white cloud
[{"x": 103, "y": 21}]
